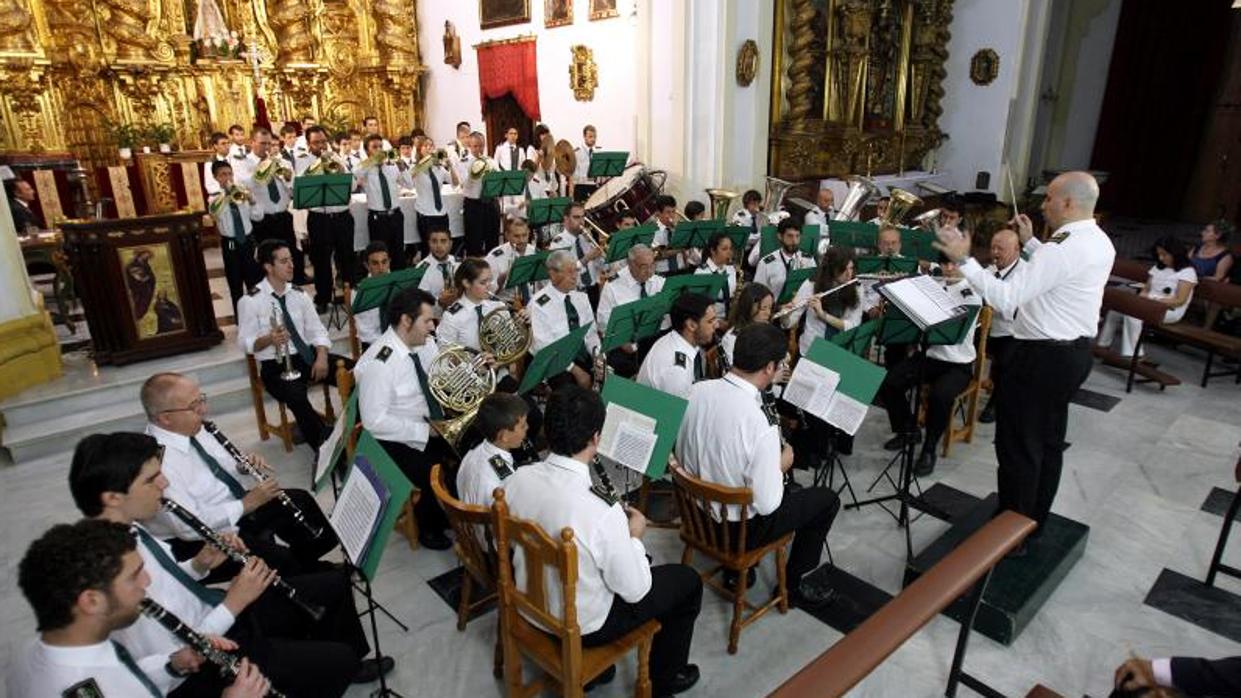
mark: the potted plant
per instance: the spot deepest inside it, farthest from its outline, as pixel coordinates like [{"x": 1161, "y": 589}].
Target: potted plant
[
  {"x": 163, "y": 134},
  {"x": 125, "y": 136}
]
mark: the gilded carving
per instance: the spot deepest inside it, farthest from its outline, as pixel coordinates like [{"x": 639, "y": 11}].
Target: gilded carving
[
  {"x": 16, "y": 27},
  {"x": 290, "y": 21},
  {"x": 803, "y": 63},
  {"x": 583, "y": 74},
  {"x": 125, "y": 27},
  {"x": 393, "y": 27}
]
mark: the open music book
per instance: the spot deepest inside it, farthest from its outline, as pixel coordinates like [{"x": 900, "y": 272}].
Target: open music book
[{"x": 922, "y": 300}]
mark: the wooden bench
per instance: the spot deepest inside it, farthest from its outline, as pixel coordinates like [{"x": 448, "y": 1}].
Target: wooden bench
[
  {"x": 1216, "y": 294},
  {"x": 966, "y": 569},
  {"x": 1151, "y": 313}
]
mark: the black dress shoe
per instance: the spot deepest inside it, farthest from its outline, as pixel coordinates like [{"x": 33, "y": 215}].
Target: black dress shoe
[
  {"x": 601, "y": 680},
  {"x": 730, "y": 579},
  {"x": 370, "y": 670},
  {"x": 988, "y": 413},
  {"x": 901, "y": 440},
  {"x": 682, "y": 681},
  {"x": 434, "y": 540},
  {"x": 926, "y": 463},
  {"x": 811, "y": 595}
]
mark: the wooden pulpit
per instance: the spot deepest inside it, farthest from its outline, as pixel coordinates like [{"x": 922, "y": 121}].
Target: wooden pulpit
[{"x": 143, "y": 286}]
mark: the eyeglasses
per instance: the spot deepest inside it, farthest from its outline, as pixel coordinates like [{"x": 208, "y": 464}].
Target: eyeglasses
[{"x": 199, "y": 402}]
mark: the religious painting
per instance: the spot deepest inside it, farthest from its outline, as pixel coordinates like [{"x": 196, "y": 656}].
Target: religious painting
[
  {"x": 501, "y": 13},
  {"x": 557, "y": 13},
  {"x": 603, "y": 9},
  {"x": 151, "y": 286}
]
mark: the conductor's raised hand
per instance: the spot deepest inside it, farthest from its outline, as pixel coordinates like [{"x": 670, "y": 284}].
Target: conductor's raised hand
[
  {"x": 952, "y": 244},
  {"x": 1024, "y": 227}
]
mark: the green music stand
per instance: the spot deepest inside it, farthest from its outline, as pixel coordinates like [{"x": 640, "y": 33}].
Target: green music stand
[
  {"x": 694, "y": 234},
  {"x": 504, "y": 183},
  {"x": 375, "y": 291},
  {"x": 554, "y": 358},
  {"x": 793, "y": 282},
  {"x": 527, "y": 269},
  {"x": 708, "y": 285},
  {"x": 667, "y": 410},
  {"x": 857, "y": 340},
  {"x": 854, "y": 234},
  {"x": 740, "y": 236},
  {"x": 952, "y": 331},
  {"x": 398, "y": 487},
  {"x": 635, "y": 321},
  {"x": 313, "y": 191},
  {"x": 620, "y": 241},
  {"x": 916, "y": 243},
  {"x": 547, "y": 211},
  {"x": 886, "y": 265},
  {"x": 607, "y": 163},
  {"x": 810, "y": 235}
]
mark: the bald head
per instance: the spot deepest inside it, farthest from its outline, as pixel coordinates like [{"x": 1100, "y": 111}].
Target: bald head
[
  {"x": 1070, "y": 197},
  {"x": 1005, "y": 246},
  {"x": 160, "y": 391}
]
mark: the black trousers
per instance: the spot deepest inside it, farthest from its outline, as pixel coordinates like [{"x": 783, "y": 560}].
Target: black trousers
[
  {"x": 946, "y": 381},
  {"x": 482, "y": 226},
  {"x": 300, "y": 656},
  {"x": 279, "y": 226},
  {"x": 999, "y": 348},
  {"x": 809, "y": 513},
  {"x": 417, "y": 467},
  {"x": 240, "y": 269},
  {"x": 389, "y": 228},
  {"x": 331, "y": 235},
  {"x": 894, "y": 354},
  {"x": 1032, "y": 417},
  {"x": 295, "y": 394},
  {"x": 674, "y": 600}
]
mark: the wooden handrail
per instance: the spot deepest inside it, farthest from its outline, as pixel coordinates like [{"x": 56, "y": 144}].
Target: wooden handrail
[{"x": 848, "y": 661}]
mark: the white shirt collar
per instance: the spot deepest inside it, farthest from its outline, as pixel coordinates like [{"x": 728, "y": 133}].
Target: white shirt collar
[
  {"x": 84, "y": 655},
  {"x": 171, "y": 439},
  {"x": 744, "y": 384},
  {"x": 1074, "y": 226},
  {"x": 571, "y": 464},
  {"x": 681, "y": 344},
  {"x": 490, "y": 449}
]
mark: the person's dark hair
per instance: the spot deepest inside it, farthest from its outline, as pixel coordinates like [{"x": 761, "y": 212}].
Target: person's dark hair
[
  {"x": 67, "y": 560},
  {"x": 588, "y": 128},
  {"x": 354, "y": 132},
  {"x": 216, "y": 137},
  {"x": 1174, "y": 247},
  {"x": 694, "y": 208},
  {"x": 374, "y": 247},
  {"x": 287, "y": 129},
  {"x": 236, "y": 127},
  {"x": 260, "y": 131},
  {"x": 462, "y": 123},
  {"x": 628, "y": 214},
  {"x": 498, "y": 412},
  {"x": 468, "y": 272},
  {"x": 540, "y": 131},
  {"x": 664, "y": 201},
  {"x": 311, "y": 130},
  {"x": 437, "y": 230},
  {"x": 1223, "y": 228},
  {"x": 107, "y": 463},
  {"x": 369, "y": 117},
  {"x": 408, "y": 301},
  {"x": 742, "y": 312},
  {"x": 266, "y": 253},
  {"x": 572, "y": 418},
  {"x": 404, "y": 141},
  {"x": 529, "y": 166},
  {"x": 341, "y": 136},
  {"x": 218, "y": 165},
  {"x": 788, "y": 224},
  {"x": 366, "y": 144},
  {"x": 417, "y": 132},
  {"x": 751, "y": 196},
  {"x": 10, "y": 187},
  {"x": 833, "y": 264},
  {"x": 714, "y": 242},
  {"x": 758, "y": 345},
  {"x": 568, "y": 210},
  {"x": 686, "y": 307},
  {"x": 954, "y": 204}
]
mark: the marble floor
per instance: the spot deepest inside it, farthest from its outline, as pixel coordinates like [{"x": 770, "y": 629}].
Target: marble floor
[{"x": 1136, "y": 475}]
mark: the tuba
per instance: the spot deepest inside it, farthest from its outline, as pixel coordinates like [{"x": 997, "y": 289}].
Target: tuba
[
  {"x": 902, "y": 203},
  {"x": 861, "y": 189},
  {"x": 459, "y": 380},
  {"x": 928, "y": 221},
  {"x": 721, "y": 200},
  {"x": 774, "y": 197}
]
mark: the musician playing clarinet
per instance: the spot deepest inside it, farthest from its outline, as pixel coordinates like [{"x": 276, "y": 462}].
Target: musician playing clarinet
[
  {"x": 206, "y": 478},
  {"x": 117, "y": 477}
]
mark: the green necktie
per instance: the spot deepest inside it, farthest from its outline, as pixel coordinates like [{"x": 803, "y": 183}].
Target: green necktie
[
  {"x": 433, "y": 405},
  {"x": 585, "y": 276},
  {"x": 239, "y": 226},
  {"x": 211, "y": 597},
  {"x": 220, "y": 473},
  {"x": 383, "y": 188},
  {"x": 642, "y": 290},
  {"x": 478, "y": 312},
  {"x": 570, "y": 313},
  {"x": 299, "y": 343},
  {"x": 273, "y": 191},
  {"x": 444, "y": 274},
  {"x": 128, "y": 660},
  {"x": 699, "y": 373}
]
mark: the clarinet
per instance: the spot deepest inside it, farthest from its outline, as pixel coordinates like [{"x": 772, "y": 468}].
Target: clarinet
[
  {"x": 216, "y": 541},
  {"x": 605, "y": 488},
  {"x": 246, "y": 466},
  {"x": 227, "y": 662}
]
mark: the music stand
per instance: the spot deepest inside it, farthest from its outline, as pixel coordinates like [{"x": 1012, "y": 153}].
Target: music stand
[
  {"x": 620, "y": 241},
  {"x": 694, "y": 234},
  {"x": 504, "y": 183},
  {"x": 313, "y": 191},
  {"x": 709, "y": 285},
  {"x": 554, "y": 358},
  {"x": 871, "y": 264},
  {"x": 634, "y": 321},
  {"x": 547, "y": 211},
  {"x": 527, "y": 269},
  {"x": 857, "y": 342},
  {"x": 916, "y": 243},
  {"x": 854, "y": 234},
  {"x": 793, "y": 282},
  {"x": 740, "y": 235},
  {"x": 375, "y": 291},
  {"x": 607, "y": 163}
]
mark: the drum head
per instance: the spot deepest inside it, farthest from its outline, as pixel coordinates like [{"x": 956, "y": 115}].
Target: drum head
[{"x": 610, "y": 190}]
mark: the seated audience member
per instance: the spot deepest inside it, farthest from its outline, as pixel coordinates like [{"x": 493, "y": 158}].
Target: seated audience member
[
  {"x": 1171, "y": 282},
  {"x": 1211, "y": 258}
]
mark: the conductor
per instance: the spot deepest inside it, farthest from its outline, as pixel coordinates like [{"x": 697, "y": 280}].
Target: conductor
[{"x": 1057, "y": 306}]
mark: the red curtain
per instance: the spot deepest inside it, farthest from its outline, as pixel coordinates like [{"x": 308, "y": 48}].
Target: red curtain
[{"x": 510, "y": 68}]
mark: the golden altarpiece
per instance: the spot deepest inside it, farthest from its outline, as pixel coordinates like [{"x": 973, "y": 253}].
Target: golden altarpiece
[
  {"x": 856, "y": 85},
  {"x": 68, "y": 68}
]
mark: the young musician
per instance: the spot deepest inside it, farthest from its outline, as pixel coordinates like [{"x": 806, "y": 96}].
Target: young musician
[
  {"x": 345, "y": 151},
  {"x": 727, "y": 438},
  {"x": 84, "y": 581},
  {"x": 754, "y": 306},
  {"x": 221, "y": 147},
  {"x": 440, "y": 266},
  {"x": 617, "y": 588},
  {"x": 510, "y": 156},
  {"x": 369, "y": 323},
  {"x": 750, "y": 215},
  {"x": 774, "y": 268},
  {"x": 500, "y": 259},
  {"x": 881, "y": 210},
  {"x": 273, "y": 193},
  {"x": 670, "y": 261},
  {"x": 950, "y": 212},
  {"x": 370, "y": 127},
  {"x": 559, "y": 309},
  {"x": 460, "y": 145},
  {"x": 637, "y": 280},
  {"x": 584, "y": 185},
  {"x": 575, "y": 238},
  {"x": 300, "y": 146},
  {"x": 396, "y": 405},
  {"x": 502, "y": 422},
  {"x": 116, "y": 477},
  {"x": 463, "y": 319},
  {"x": 205, "y": 478},
  {"x": 428, "y": 185},
  {"x": 330, "y": 228},
  {"x": 676, "y": 362},
  {"x": 237, "y": 142},
  {"x": 946, "y": 369},
  {"x": 720, "y": 261},
  {"x": 234, "y": 216},
  {"x": 301, "y": 336},
  {"x": 480, "y": 215},
  {"x": 382, "y": 181},
  {"x": 828, "y": 316},
  {"x": 288, "y": 144},
  {"x": 405, "y": 145}
]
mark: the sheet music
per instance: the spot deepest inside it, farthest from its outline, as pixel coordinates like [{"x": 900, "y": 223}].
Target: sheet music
[
  {"x": 628, "y": 437},
  {"x": 356, "y": 513},
  {"x": 845, "y": 413},
  {"x": 922, "y": 299},
  {"x": 328, "y": 452},
  {"x": 811, "y": 388}
]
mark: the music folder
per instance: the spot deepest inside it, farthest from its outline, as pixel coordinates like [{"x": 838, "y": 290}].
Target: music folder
[
  {"x": 313, "y": 191},
  {"x": 554, "y": 358},
  {"x": 922, "y": 302},
  {"x": 620, "y": 241},
  {"x": 640, "y": 427},
  {"x": 607, "y": 163},
  {"x": 504, "y": 183},
  {"x": 367, "y": 515},
  {"x": 527, "y": 269},
  {"x": 547, "y": 211},
  {"x": 635, "y": 321}
]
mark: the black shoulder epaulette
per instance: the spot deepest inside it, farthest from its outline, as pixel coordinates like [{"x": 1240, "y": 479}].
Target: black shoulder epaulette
[
  {"x": 296, "y": 288},
  {"x": 601, "y": 493},
  {"x": 454, "y": 307},
  {"x": 769, "y": 258},
  {"x": 384, "y": 354},
  {"x": 425, "y": 263},
  {"x": 542, "y": 299},
  {"x": 252, "y": 291},
  {"x": 501, "y": 466},
  {"x": 83, "y": 689},
  {"x": 497, "y": 252},
  {"x": 965, "y": 293},
  {"x": 679, "y": 358},
  {"x": 1059, "y": 237}
]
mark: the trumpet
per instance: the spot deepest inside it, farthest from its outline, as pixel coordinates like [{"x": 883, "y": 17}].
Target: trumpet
[
  {"x": 596, "y": 235},
  {"x": 798, "y": 305},
  {"x": 238, "y": 194},
  {"x": 326, "y": 164},
  {"x": 272, "y": 167},
  {"x": 430, "y": 160},
  {"x": 282, "y": 350}
]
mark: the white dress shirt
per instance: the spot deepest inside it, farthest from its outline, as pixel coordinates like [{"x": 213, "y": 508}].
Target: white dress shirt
[
  {"x": 438, "y": 276},
  {"x": 663, "y": 238},
  {"x": 425, "y": 204},
  {"x": 727, "y": 342},
  {"x": 625, "y": 289},
  {"x": 470, "y": 188},
  {"x": 549, "y": 322},
  {"x": 819, "y": 217},
  {"x": 504, "y": 156},
  {"x": 1059, "y": 293},
  {"x": 225, "y": 223},
  {"x": 730, "y": 287},
  {"x": 482, "y": 470},
  {"x": 583, "y": 154},
  {"x": 745, "y": 219},
  {"x": 1002, "y": 323},
  {"x": 368, "y": 176},
  {"x": 47, "y": 671},
  {"x": 264, "y": 204},
  {"x": 367, "y": 324},
  {"x": 254, "y": 313},
  {"x": 209, "y": 183},
  {"x": 501, "y": 259},
  {"x": 391, "y": 401},
  {"x": 669, "y": 365},
  {"x": 460, "y": 322},
  {"x": 556, "y": 494},
  {"x": 192, "y": 485},
  {"x": 962, "y": 352},
  {"x": 774, "y": 269},
  {"x": 587, "y": 272},
  {"x": 815, "y": 327},
  {"x": 305, "y": 161},
  {"x": 725, "y": 438}
]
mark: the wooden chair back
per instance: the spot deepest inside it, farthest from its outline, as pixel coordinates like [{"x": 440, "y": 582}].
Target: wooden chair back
[
  {"x": 283, "y": 429},
  {"x": 983, "y": 332},
  {"x": 696, "y": 500},
  {"x": 355, "y": 344},
  {"x": 475, "y": 545}
]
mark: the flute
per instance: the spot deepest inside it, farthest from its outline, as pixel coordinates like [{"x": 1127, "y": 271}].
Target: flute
[
  {"x": 798, "y": 305},
  {"x": 246, "y": 466},
  {"x": 227, "y": 662},
  {"x": 216, "y": 541}
]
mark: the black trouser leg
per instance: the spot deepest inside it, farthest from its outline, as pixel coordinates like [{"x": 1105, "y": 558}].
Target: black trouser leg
[
  {"x": 998, "y": 348},
  {"x": 807, "y": 512},
  {"x": 390, "y": 230},
  {"x": 894, "y": 393},
  {"x": 946, "y": 380},
  {"x": 236, "y": 271},
  {"x": 674, "y": 600},
  {"x": 274, "y": 518},
  {"x": 342, "y": 246},
  {"x": 894, "y": 354},
  {"x": 624, "y": 363},
  {"x": 319, "y": 230},
  {"x": 417, "y": 467},
  {"x": 294, "y": 394}
]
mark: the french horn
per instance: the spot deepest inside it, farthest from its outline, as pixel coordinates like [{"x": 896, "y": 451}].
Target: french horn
[{"x": 459, "y": 379}]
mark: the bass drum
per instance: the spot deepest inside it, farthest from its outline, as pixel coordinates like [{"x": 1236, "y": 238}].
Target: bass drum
[{"x": 634, "y": 190}]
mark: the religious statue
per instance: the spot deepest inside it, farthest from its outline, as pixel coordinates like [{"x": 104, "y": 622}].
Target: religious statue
[
  {"x": 209, "y": 26},
  {"x": 127, "y": 28},
  {"x": 452, "y": 45}
]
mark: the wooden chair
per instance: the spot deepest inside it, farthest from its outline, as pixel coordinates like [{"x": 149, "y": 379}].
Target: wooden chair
[
  {"x": 966, "y": 403},
  {"x": 557, "y": 651},
  {"x": 726, "y": 544},
  {"x": 355, "y": 344},
  {"x": 284, "y": 429},
  {"x": 475, "y": 547}
]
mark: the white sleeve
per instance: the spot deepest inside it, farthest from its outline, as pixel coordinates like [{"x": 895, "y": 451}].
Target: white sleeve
[
  {"x": 1043, "y": 272},
  {"x": 218, "y": 621},
  {"x": 249, "y": 327},
  {"x": 376, "y": 395},
  {"x": 621, "y": 557},
  {"x": 317, "y": 335},
  {"x": 607, "y": 303},
  {"x": 155, "y": 666},
  {"x": 764, "y": 477},
  {"x": 447, "y": 331},
  {"x": 792, "y": 319}
]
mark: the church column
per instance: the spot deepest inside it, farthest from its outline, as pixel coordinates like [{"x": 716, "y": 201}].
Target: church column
[{"x": 29, "y": 353}]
